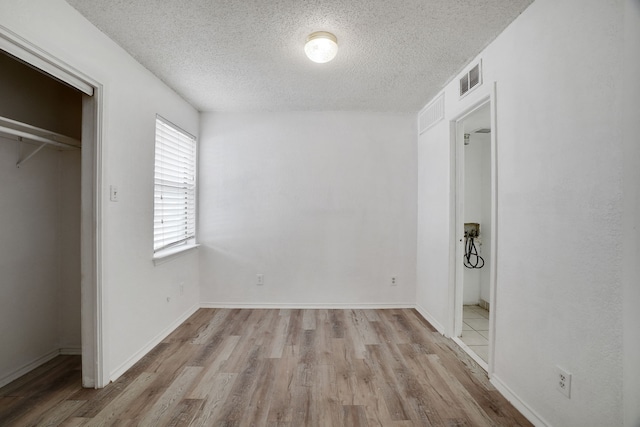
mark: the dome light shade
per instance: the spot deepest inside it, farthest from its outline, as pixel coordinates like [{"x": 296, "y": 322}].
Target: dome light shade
[{"x": 321, "y": 47}]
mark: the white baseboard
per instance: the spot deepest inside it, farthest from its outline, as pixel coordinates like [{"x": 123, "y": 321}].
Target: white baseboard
[
  {"x": 28, "y": 367},
  {"x": 508, "y": 394},
  {"x": 424, "y": 313},
  {"x": 519, "y": 404},
  {"x": 339, "y": 306},
  {"x": 149, "y": 346},
  {"x": 71, "y": 351}
]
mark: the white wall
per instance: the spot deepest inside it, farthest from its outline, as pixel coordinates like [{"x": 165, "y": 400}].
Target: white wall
[
  {"x": 322, "y": 204},
  {"x": 472, "y": 213},
  {"x": 29, "y": 258},
  {"x": 559, "y": 193},
  {"x": 435, "y": 216},
  {"x": 136, "y": 310},
  {"x": 485, "y": 248},
  {"x": 477, "y": 208},
  {"x": 560, "y": 158}
]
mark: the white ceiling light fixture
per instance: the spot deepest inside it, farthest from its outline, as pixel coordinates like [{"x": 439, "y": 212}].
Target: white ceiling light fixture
[{"x": 321, "y": 47}]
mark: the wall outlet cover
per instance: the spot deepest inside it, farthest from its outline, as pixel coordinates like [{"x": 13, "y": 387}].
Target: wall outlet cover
[{"x": 563, "y": 381}]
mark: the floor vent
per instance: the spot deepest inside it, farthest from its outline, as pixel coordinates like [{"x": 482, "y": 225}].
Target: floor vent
[
  {"x": 432, "y": 114},
  {"x": 471, "y": 79}
]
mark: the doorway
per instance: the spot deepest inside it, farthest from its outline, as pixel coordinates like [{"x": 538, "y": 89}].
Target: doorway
[
  {"x": 474, "y": 162},
  {"x": 84, "y": 173}
]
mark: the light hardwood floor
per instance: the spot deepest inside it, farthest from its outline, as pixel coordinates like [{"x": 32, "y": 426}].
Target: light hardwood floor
[{"x": 232, "y": 367}]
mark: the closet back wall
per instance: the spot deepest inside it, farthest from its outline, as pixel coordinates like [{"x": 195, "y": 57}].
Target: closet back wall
[
  {"x": 322, "y": 203},
  {"x": 39, "y": 225},
  {"x": 32, "y": 97}
]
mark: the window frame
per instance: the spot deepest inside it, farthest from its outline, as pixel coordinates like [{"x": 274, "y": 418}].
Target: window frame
[{"x": 173, "y": 248}]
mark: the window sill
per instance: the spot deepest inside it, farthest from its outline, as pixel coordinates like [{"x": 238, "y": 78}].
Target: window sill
[{"x": 172, "y": 253}]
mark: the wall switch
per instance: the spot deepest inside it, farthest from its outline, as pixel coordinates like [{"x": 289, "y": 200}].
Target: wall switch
[
  {"x": 563, "y": 381},
  {"x": 260, "y": 279},
  {"x": 113, "y": 193},
  {"x": 394, "y": 281},
  {"x": 181, "y": 288}
]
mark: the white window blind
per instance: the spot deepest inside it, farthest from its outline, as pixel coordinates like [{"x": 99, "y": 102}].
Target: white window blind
[{"x": 174, "y": 221}]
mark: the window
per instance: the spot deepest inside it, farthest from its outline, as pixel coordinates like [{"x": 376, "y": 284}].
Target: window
[{"x": 174, "y": 207}]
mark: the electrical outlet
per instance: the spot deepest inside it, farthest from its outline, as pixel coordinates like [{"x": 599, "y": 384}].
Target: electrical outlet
[
  {"x": 394, "y": 281},
  {"x": 113, "y": 193},
  {"x": 471, "y": 229},
  {"x": 260, "y": 279},
  {"x": 563, "y": 381}
]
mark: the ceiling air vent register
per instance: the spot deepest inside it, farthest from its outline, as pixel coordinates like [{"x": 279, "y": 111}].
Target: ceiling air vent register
[
  {"x": 432, "y": 114},
  {"x": 471, "y": 79}
]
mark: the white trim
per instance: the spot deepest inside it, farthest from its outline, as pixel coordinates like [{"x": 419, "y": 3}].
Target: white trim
[
  {"x": 99, "y": 335},
  {"x": 167, "y": 255},
  {"x": 456, "y": 231},
  {"x": 20, "y": 48},
  {"x": 453, "y": 232},
  {"x": 493, "y": 254},
  {"x": 127, "y": 364},
  {"x": 432, "y": 320},
  {"x": 71, "y": 351},
  {"x": 28, "y": 367},
  {"x": 93, "y": 336},
  {"x": 338, "y": 306},
  {"x": 518, "y": 403}
]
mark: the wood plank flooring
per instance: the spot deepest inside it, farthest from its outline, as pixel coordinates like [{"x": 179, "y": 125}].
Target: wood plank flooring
[{"x": 276, "y": 368}]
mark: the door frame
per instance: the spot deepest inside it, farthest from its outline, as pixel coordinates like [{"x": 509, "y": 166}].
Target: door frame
[
  {"x": 91, "y": 240},
  {"x": 456, "y": 228}
]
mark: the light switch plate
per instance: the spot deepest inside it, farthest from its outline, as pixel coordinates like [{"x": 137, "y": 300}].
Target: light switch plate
[{"x": 113, "y": 193}]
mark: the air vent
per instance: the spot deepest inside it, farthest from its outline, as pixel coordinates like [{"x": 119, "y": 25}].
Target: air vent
[
  {"x": 432, "y": 114},
  {"x": 471, "y": 79}
]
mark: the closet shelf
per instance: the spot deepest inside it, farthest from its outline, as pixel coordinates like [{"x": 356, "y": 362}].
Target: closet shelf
[{"x": 38, "y": 135}]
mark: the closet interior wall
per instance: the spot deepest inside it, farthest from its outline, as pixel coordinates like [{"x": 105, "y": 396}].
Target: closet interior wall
[
  {"x": 39, "y": 224},
  {"x": 477, "y": 209}
]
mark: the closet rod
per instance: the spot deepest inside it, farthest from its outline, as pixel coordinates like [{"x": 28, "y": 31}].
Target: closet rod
[
  {"x": 36, "y": 138},
  {"x": 36, "y": 134}
]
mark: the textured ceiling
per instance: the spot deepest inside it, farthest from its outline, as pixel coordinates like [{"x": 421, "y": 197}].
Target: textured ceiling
[{"x": 248, "y": 55}]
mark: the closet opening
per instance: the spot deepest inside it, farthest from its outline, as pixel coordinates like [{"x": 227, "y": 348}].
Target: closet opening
[
  {"x": 473, "y": 234},
  {"x": 476, "y": 250},
  {"x": 50, "y": 216}
]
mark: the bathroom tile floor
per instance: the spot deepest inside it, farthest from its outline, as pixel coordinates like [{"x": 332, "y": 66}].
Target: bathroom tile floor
[{"x": 475, "y": 330}]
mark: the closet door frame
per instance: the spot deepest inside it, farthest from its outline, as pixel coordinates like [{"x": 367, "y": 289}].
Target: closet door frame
[{"x": 92, "y": 310}]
